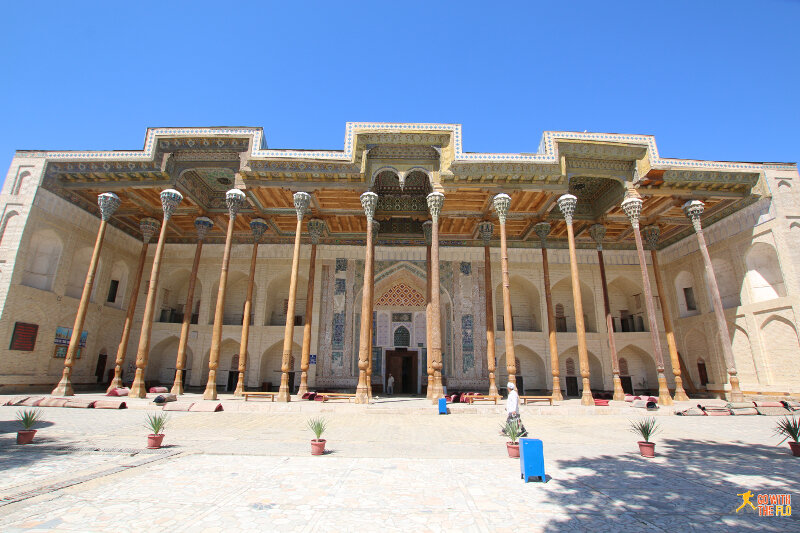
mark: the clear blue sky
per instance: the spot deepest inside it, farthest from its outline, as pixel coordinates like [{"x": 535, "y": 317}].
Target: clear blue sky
[{"x": 711, "y": 80}]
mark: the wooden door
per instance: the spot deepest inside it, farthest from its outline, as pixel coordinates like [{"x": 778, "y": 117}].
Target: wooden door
[{"x": 572, "y": 386}]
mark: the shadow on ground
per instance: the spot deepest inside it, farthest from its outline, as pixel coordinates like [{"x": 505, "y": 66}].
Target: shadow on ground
[{"x": 692, "y": 485}]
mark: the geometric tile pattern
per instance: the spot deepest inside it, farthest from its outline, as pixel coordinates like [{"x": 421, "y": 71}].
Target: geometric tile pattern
[{"x": 401, "y": 295}]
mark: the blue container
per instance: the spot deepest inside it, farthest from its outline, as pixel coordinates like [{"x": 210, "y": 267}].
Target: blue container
[
  {"x": 442, "y": 406},
  {"x": 531, "y": 459}
]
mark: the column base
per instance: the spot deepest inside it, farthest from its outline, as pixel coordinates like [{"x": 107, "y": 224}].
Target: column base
[
  {"x": 438, "y": 391},
  {"x": 736, "y": 393},
  {"x": 556, "y": 394},
  {"x": 64, "y": 387},
  {"x": 284, "y": 394},
  {"x": 429, "y": 392},
  {"x": 211, "y": 386},
  {"x": 138, "y": 389},
  {"x": 493, "y": 388},
  {"x": 177, "y": 385},
  {"x": 619, "y": 394},
  {"x": 361, "y": 389},
  {"x": 586, "y": 395},
  {"x": 663, "y": 392},
  {"x": 680, "y": 394},
  {"x": 239, "y": 385},
  {"x": 303, "y": 389},
  {"x": 116, "y": 382}
]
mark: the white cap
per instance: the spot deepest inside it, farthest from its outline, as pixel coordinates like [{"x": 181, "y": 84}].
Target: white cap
[{"x": 510, "y": 386}]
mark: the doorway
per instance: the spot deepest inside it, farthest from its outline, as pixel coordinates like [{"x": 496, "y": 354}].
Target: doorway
[
  {"x": 100, "y": 369},
  {"x": 627, "y": 384},
  {"x": 572, "y": 386},
  {"x": 402, "y": 365}
]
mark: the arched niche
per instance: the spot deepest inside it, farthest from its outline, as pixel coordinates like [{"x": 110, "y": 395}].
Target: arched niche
[
  {"x": 78, "y": 269},
  {"x": 525, "y": 306},
  {"x": 628, "y": 306},
  {"x": 531, "y": 368},
  {"x": 727, "y": 283},
  {"x": 764, "y": 273},
  {"x": 161, "y": 362},
  {"x": 641, "y": 369},
  {"x": 269, "y": 366},
  {"x": 780, "y": 338},
  {"x": 41, "y": 261},
  {"x": 10, "y": 226},
  {"x": 278, "y": 299},
  {"x": 173, "y": 289},
  {"x": 235, "y": 296},
  {"x": 595, "y": 368},
  {"x": 562, "y": 294},
  {"x": 686, "y": 294},
  {"x": 117, "y": 285}
]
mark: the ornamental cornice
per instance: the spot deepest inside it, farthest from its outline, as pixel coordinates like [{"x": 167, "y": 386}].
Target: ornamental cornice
[
  {"x": 690, "y": 176},
  {"x": 600, "y": 164}
]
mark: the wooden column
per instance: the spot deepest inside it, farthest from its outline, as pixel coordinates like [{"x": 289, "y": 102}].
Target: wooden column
[
  {"x": 427, "y": 228},
  {"x": 632, "y": 205},
  {"x": 486, "y": 231},
  {"x": 170, "y": 198},
  {"x": 148, "y": 227},
  {"x": 235, "y": 199},
  {"x": 435, "y": 203},
  {"x": 567, "y": 204},
  {"x": 202, "y": 224},
  {"x": 108, "y": 203},
  {"x": 650, "y": 235},
  {"x": 316, "y": 228},
  {"x": 301, "y": 202},
  {"x": 598, "y": 232},
  {"x": 542, "y": 229},
  {"x": 369, "y": 200},
  {"x": 258, "y": 226},
  {"x": 375, "y": 228},
  {"x": 693, "y": 210},
  {"x": 501, "y": 204}
]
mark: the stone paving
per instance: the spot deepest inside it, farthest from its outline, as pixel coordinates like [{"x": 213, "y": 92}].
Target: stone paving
[{"x": 395, "y": 466}]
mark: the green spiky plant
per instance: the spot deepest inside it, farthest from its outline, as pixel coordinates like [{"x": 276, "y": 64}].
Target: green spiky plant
[
  {"x": 646, "y": 427},
  {"x": 317, "y": 426},
  {"x": 156, "y": 422},
  {"x": 788, "y": 428},
  {"x": 512, "y": 429},
  {"x": 29, "y": 417}
]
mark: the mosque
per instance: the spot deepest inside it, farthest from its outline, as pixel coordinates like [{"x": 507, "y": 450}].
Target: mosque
[{"x": 207, "y": 261}]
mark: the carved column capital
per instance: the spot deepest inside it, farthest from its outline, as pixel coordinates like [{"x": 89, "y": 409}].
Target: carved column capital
[
  {"x": 486, "y": 231},
  {"x": 234, "y": 199},
  {"x": 427, "y": 230},
  {"x": 632, "y": 205},
  {"x": 693, "y": 210},
  {"x": 650, "y": 234},
  {"x": 598, "y": 233},
  {"x": 369, "y": 201},
  {"x": 149, "y": 226},
  {"x": 170, "y": 198},
  {"x": 316, "y": 227},
  {"x": 567, "y": 203},
  {"x": 301, "y": 202},
  {"x": 435, "y": 203},
  {"x": 501, "y": 202},
  {"x": 108, "y": 203},
  {"x": 202, "y": 225},
  {"x": 258, "y": 226},
  {"x": 542, "y": 229}
]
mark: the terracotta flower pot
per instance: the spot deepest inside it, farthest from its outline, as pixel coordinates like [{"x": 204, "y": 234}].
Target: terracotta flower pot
[
  {"x": 513, "y": 450},
  {"x": 795, "y": 446},
  {"x": 154, "y": 441},
  {"x": 318, "y": 446},
  {"x": 647, "y": 449},
  {"x": 25, "y": 436}
]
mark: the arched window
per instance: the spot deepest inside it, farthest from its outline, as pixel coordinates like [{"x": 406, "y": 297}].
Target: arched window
[
  {"x": 570, "y": 366},
  {"x": 402, "y": 337},
  {"x": 623, "y": 367},
  {"x": 764, "y": 273},
  {"x": 561, "y": 320},
  {"x": 41, "y": 261}
]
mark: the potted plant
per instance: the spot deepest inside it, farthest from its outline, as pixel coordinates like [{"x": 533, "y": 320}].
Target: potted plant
[
  {"x": 789, "y": 428},
  {"x": 513, "y": 430},
  {"x": 28, "y": 419},
  {"x": 646, "y": 427},
  {"x": 156, "y": 422},
  {"x": 317, "y": 426}
]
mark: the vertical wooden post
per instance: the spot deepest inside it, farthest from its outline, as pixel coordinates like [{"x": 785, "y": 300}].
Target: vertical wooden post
[
  {"x": 693, "y": 210},
  {"x": 258, "y": 226},
  {"x": 501, "y": 203},
  {"x": 542, "y": 229},
  {"x": 375, "y": 228},
  {"x": 170, "y": 198},
  {"x": 650, "y": 235},
  {"x": 148, "y": 226},
  {"x": 108, "y": 203},
  {"x": 632, "y": 205},
  {"x": 235, "y": 199},
  {"x": 369, "y": 200},
  {"x": 435, "y": 203},
  {"x": 486, "y": 231},
  {"x": 202, "y": 224},
  {"x": 301, "y": 202},
  {"x": 598, "y": 232},
  {"x": 316, "y": 227},
  {"x": 567, "y": 204},
  {"x": 427, "y": 228}
]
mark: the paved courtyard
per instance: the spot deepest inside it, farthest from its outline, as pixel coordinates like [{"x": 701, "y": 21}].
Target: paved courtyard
[{"x": 395, "y": 465}]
